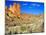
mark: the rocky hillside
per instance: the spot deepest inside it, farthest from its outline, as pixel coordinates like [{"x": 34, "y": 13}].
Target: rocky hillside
[{"x": 24, "y": 24}]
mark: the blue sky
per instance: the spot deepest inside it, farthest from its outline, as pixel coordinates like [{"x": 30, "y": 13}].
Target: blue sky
[{"x": 28, "y": 7}]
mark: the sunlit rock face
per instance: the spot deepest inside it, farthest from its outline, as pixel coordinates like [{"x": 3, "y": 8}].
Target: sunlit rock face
[
  {"x": 22, "y": 23},
  {"x": 13, "y": 10}
]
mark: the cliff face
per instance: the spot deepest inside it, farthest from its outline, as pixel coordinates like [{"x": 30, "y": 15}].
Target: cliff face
[{"x": 15, "y": 10}]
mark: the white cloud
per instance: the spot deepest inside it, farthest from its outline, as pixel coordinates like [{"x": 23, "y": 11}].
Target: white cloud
[
  {"x": 36, "y": 5},
  {"x": 25, "y": 4},
  {"x": 33, "y": 4}
]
